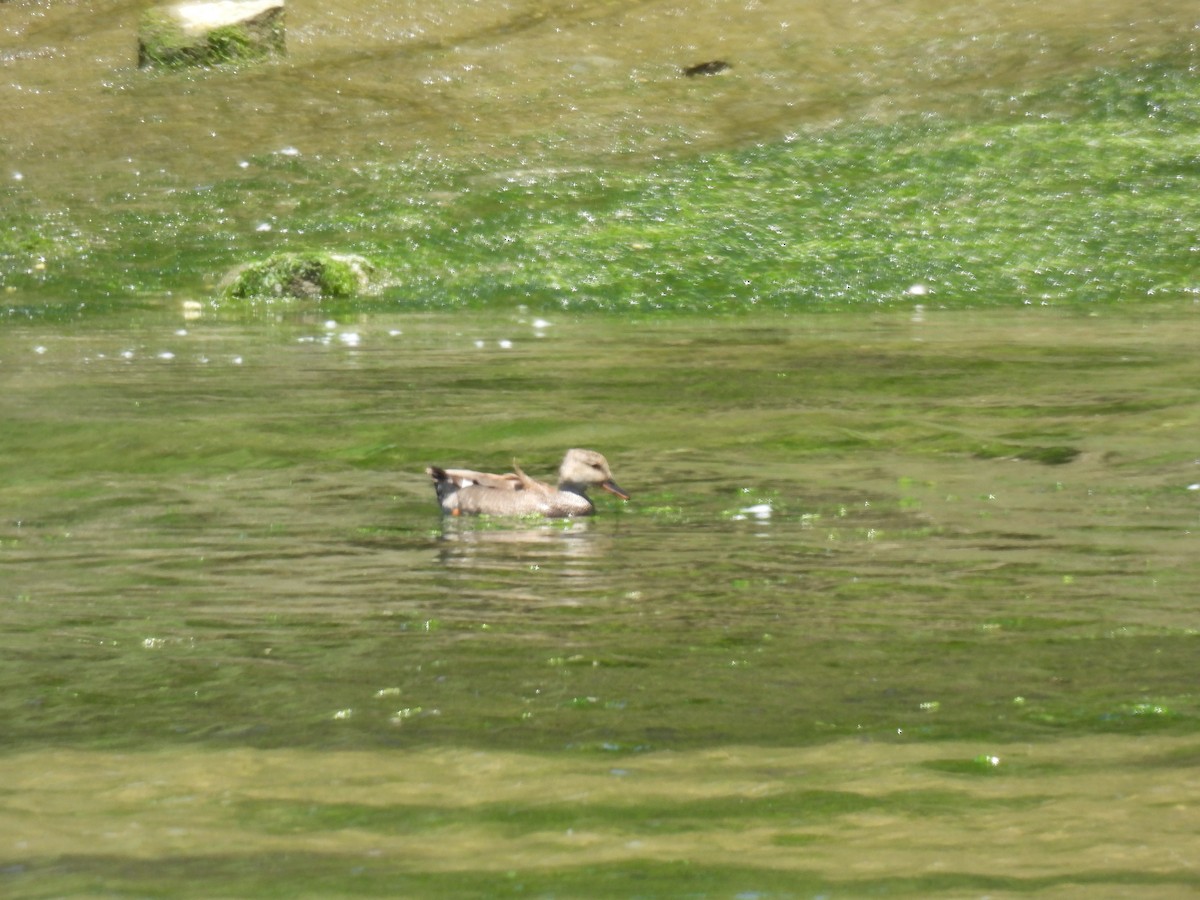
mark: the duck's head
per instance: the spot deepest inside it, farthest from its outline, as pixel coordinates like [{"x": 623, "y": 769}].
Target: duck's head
[{"x": 584, "y": 468}]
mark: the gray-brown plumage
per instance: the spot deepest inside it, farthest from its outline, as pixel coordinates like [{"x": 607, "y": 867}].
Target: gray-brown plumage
[{"x": 465, "y": 492}]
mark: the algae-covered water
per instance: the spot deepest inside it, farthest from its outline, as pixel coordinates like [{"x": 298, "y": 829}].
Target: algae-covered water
[
  {"x": 555, "y": 155},
  {"x": 889, "y": 329}
]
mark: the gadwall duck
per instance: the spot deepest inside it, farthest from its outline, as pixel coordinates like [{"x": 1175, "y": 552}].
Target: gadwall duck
[{"x": 463, "y": 492}]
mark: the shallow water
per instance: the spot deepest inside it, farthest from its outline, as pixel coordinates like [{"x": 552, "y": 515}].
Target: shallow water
[
  {"x": 901, "y": 603},
  {"x": 528, "y": 84}
]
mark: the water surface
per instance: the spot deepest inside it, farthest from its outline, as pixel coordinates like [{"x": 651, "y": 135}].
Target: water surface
[
  {"x": 530, "y": 83},
  {"x": 901, "y": 603}
]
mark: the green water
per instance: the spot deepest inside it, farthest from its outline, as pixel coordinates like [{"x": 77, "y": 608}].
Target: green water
[
  {"x": 889, "y": 330},
  {"x": 895, "y": 598}
]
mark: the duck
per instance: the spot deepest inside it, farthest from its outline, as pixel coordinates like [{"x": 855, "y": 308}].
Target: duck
[{"x": 462, "y": 492}]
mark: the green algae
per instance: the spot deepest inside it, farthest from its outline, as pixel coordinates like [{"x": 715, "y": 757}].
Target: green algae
[
  {"x": 1075, "y": 196},
  {"x": 164, "y": 43},
  {"x": 286, "y": 277}
]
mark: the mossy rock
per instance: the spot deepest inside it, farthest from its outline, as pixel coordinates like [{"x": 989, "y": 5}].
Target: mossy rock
[
  {"x": 299, "y": 276},
  {"x": 210, "y": 34}
]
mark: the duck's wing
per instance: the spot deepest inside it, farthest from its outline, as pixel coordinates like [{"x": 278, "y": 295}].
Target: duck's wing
[
  {"x": 525, "y": 483},
  {"x": 466, "y": 477}
]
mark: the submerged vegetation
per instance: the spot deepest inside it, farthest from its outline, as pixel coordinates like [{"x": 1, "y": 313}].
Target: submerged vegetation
[{"x": 1077, "y": 194}]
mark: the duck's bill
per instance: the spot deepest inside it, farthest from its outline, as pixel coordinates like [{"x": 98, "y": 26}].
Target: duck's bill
[{"x": 612, "y": 488}]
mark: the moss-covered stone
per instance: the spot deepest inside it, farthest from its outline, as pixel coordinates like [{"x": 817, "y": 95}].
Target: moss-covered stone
[
  {"x": 298, "y": 276},
  {"x": 210, "y": 34}
]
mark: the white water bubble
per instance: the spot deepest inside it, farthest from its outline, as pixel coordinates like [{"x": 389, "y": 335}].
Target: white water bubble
[{"x": 757, "y": 511}]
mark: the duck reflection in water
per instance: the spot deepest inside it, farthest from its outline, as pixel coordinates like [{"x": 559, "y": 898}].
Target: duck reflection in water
[{"x": 464, "y": 492}]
